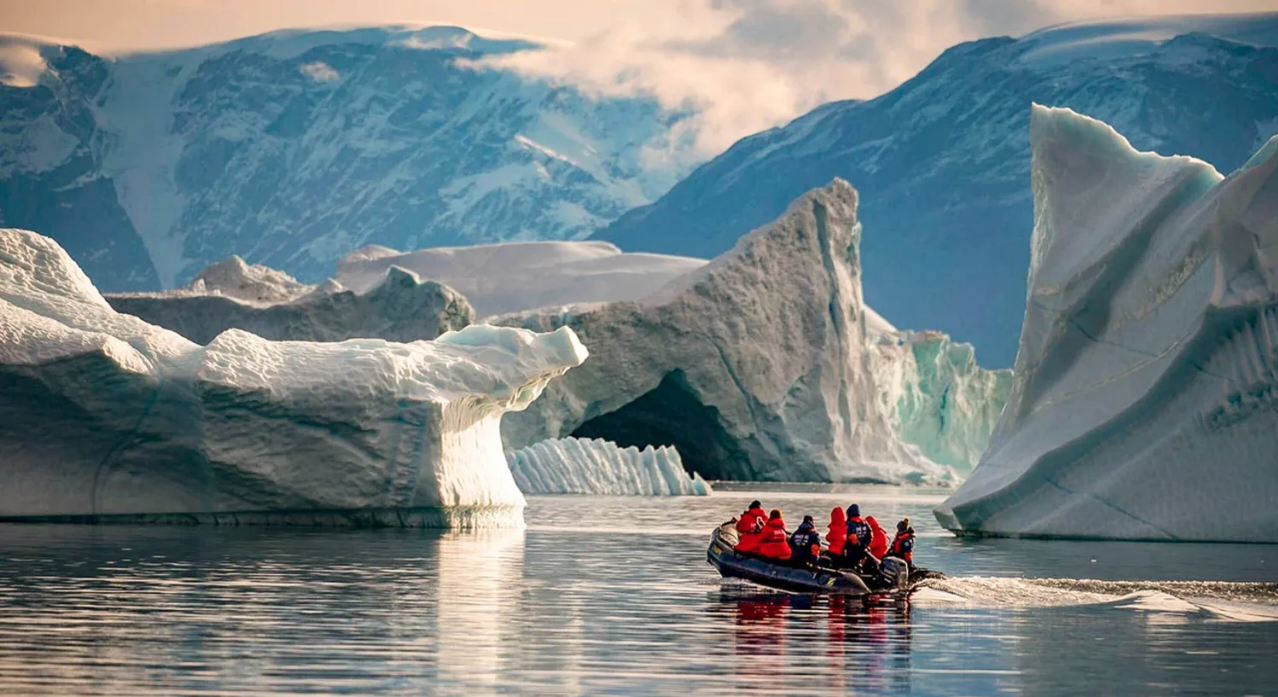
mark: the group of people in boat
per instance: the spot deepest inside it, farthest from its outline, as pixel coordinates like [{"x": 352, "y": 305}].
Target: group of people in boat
[{"x": 852, "y": 542}]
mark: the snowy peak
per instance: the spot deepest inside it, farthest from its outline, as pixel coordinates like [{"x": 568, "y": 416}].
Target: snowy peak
[
  {"x": 1123, "y": 38},
  {"x": 943, "y": 161},
  {"x": 294, "y": 148}
]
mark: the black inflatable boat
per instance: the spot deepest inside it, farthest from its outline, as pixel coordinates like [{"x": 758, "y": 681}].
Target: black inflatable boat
[{"x": 894, "y": 577}]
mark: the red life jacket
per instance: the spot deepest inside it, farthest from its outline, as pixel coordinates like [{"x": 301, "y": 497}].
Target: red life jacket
[
  {"x": 878, "y": 539},
  {"x": 774, "y": 543},
  {"x": 750, "y": 529},
  {"x": 903, "y": 547},
  {"x": 837, "y": 535}
]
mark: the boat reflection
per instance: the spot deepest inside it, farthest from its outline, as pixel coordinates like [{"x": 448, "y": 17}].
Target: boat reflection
[{"x": 825, "y": 643}]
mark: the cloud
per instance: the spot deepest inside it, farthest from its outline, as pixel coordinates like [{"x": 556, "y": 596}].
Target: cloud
[
  {"x": 21, "y": 64},
  {"x": 746, "y": 65},
  {"x": 319, "y": 72}
]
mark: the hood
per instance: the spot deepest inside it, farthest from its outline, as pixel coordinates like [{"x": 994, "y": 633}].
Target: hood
[{"x": 838, "y": 517}]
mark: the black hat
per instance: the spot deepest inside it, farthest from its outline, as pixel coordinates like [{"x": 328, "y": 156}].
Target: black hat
[
  {"x": 808, "y": 519},
  {"x": 754, "y": 504}
]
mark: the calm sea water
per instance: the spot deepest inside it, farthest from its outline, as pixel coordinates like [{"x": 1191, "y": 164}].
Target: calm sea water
[{"x": 613, "y": 596}]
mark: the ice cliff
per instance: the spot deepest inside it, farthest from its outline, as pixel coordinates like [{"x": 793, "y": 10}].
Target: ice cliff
[
  {"x": 755, "y": 366},
  {"x": 940, "y": 400},
  {"x": 102, "y": 414},
  {"x": 586, "y": 466},
  {"x": 1146, "y": 385},
  {"x": 395, "y": 305}
]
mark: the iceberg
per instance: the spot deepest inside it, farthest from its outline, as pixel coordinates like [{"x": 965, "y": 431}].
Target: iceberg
[
  {"x": 513, "y": 276},
  {"x": 595, "y": 466},
  {"x": 937, "y": 396},
  {"x": 755, "y": 366},
  {"x": 106, "y": 417},
  {"x": 231, "y": 294},
  {"x": 1145, "y": 398}
]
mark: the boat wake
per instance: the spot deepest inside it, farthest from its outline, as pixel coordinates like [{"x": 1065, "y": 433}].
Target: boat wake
[{"x": 1220, "y": 600}]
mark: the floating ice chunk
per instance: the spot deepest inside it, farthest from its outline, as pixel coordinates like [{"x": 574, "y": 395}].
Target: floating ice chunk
[
  {"x": 231, "y": 294},
  {"x": 595, "y": 466},
  {"x": 1145, "y": 398},
  {"x": 102, "y": 414}
]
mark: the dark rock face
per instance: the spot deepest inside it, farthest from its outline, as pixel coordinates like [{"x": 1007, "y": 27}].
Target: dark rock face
[{"x": 51, "y": 162}]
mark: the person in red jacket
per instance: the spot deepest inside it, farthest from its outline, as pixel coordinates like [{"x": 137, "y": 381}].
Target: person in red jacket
[
  {"x": 750, "y": 528},
  {"x": 878, "y": 538},
  {"x": 903, "y": 544},
  {"x": 837, "y": 535},
  {"x": 775, "y": 541}
]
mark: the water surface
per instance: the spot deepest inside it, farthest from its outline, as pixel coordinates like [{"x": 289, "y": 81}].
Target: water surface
[{"x": 613, "y": 596}]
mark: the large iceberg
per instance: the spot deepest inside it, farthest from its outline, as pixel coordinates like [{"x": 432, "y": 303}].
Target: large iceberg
[
  {"x": 396, "y": 305},
  {"x": 102, "y": 414},
  {"x": 594, "y": 466},
  {"x": 1145, "y": 397},
  {"x": 756, "y": 366}
]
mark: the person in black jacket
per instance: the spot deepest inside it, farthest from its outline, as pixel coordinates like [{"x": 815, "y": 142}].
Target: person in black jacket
[{"x": 805, "y": 543}]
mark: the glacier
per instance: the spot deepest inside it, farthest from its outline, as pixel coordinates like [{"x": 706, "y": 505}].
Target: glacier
[
  {"x": 595, "y": 466},
  {"x": 232, "y": 294},
  {"x": 1145, "y": 393},
  {"x": 106, "y": 417}
]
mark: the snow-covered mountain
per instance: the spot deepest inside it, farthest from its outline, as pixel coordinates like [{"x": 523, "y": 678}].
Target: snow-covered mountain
[
  {"x": 943, "y": 161},
  {"x": 293, "y": 148}
]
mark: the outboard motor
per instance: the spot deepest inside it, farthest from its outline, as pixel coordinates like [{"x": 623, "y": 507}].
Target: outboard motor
[{"x": 894, "y": 572}]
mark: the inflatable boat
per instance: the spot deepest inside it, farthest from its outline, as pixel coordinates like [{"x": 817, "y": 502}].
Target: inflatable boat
[{"x": 894, "y": 576}]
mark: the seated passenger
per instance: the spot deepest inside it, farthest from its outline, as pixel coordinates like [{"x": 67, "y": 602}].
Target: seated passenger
[
  {"x": 837, "y": 535},
  {"x": 859, "y": 536},
  {"x": 878, "y": 538},
  {"x": 750, "y": 528},
  {"x": 805, "y": 543},
  {"x": 773, "y": 543},
  {"x": 903, "y": 544}
]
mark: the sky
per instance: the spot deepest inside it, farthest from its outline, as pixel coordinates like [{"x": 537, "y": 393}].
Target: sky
[{"x": 743, "y": 65}]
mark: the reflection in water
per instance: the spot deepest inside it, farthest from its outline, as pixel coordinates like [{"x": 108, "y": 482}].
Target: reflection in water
[
  {"x": 608, "y": 596},
  {"x": 836, "y": 643},
  {"x": 478, "y": 589}
]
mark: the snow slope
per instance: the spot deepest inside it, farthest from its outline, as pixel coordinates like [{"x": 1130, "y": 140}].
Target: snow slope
[
  {"x": 102, "y": 414},
  {"x": 273, "y": 305},
  {"x": 755, "y": 366},
  {"x": 512, "y": 276},
  {"x": 295, "y": 147},
  {"x": 585, "y": 466},
  {"x": 943, "y": 161},
  {"x": 1143, "y": 404}
]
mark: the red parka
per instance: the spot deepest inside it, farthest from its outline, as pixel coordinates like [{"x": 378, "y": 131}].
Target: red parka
[
  {"x": 837, "y": 535},
  {"x": 878, "y": 539},
  {"x": 774, "y": 542},
  {"x": 750, "y": 530}
]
